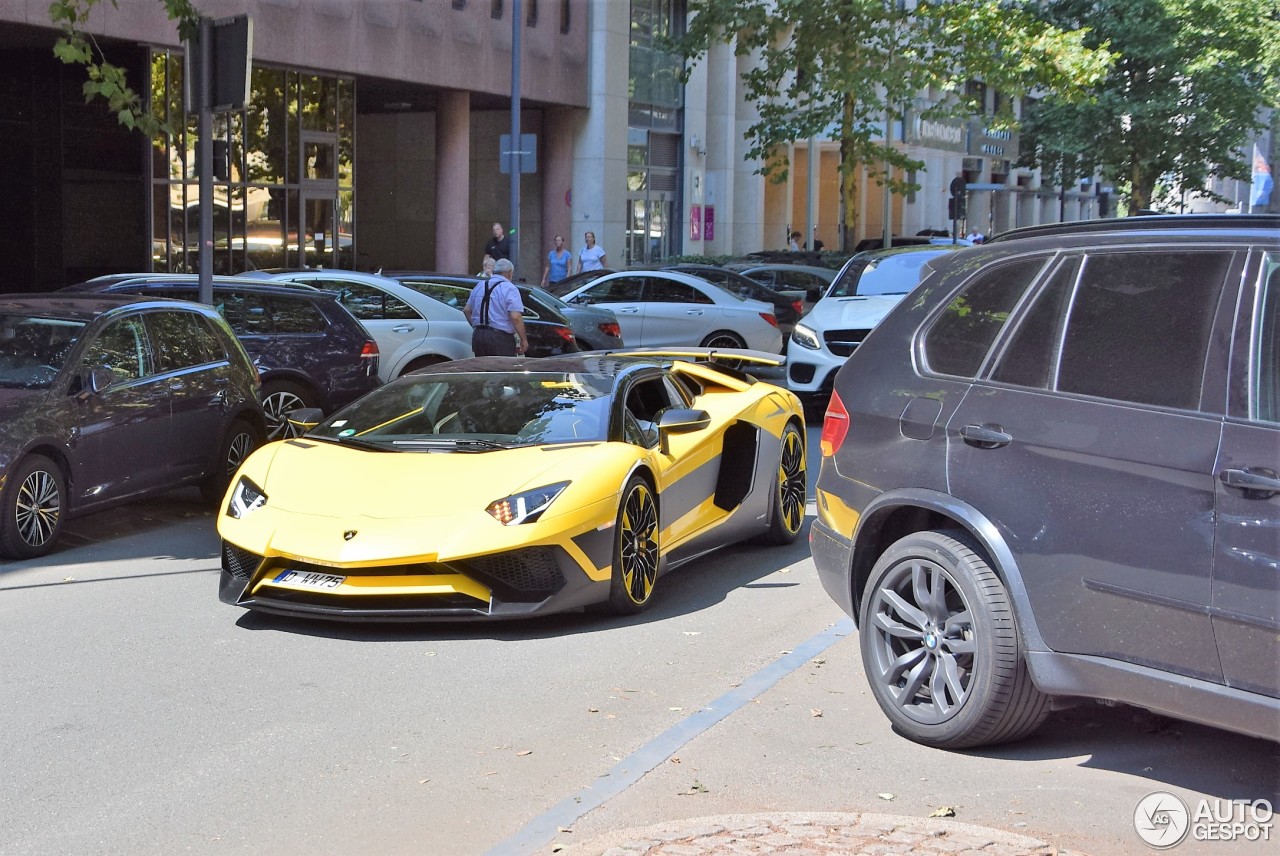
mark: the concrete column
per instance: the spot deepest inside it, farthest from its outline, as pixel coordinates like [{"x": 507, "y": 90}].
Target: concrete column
[
  {"x": 557, "y": 187},
  {"x": 453, "y": 183}
]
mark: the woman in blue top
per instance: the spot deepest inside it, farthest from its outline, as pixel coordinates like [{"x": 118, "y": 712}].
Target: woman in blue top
[{"x": 557, "y": 266}]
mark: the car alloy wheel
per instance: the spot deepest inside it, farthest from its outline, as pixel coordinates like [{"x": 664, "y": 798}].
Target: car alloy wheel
[
  {"x": 279, "y": 400},
  {"x": 34, "y": 502},
  {"x": 791, "y": 490},
  {"x": 636, "y": 555},
  {"x": 240, "y": 442},
  {"x": 941, "y": 648}
]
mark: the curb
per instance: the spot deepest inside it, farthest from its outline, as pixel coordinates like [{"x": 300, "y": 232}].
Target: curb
[{"x": 798, "y": 833}]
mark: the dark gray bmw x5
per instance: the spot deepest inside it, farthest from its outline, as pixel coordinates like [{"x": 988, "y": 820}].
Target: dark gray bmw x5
[{"x": 1053, "y": 473}]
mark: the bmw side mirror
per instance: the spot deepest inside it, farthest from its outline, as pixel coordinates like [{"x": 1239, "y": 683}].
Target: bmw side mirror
[
  {"x": 680, "y": 420},
  {"x": 94, "y": 379},
  {"x": 305, "y": 418}
]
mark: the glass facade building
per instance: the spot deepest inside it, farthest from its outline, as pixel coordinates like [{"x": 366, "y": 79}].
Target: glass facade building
[{"x": 285, "y": 191}]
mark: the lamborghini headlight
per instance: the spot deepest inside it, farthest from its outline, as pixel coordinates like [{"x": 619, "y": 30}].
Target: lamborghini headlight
[
  {"x": 245, "y": 497},
  {"x": 527, "y": 506},
  {"x": 806, "y": 337}
]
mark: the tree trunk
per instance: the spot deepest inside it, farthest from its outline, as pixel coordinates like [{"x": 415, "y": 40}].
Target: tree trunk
[
  {"x": 1140, "y": 187},
  {"x": 848, "y": 179}
]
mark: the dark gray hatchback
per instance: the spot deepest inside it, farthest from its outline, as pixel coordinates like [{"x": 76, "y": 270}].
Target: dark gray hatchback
[
  {"x": 106, "y": 398},
  {"x": 1052, "y": 473}
]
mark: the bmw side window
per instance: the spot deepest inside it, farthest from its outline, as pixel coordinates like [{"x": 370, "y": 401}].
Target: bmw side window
[
  {"x": 182, "y": 340},
  {"x": 1265, "y": 371},
  {"x": 295, "y": 315},
  {"x": 1030, "y": 358},
  {"x": 121, "y": 348},
  {"x": 1139, "y": 326},
  {"x": 960, "y": 337}
]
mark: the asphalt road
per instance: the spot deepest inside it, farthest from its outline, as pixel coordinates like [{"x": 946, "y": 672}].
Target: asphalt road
[{"x": 140, "y": 715}]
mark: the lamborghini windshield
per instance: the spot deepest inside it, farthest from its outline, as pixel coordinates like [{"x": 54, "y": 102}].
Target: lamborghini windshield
[{"x": 476, "y": 411}]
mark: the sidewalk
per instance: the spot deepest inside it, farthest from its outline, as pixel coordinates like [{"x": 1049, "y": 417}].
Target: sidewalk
[{"x": 804, "y": 834}]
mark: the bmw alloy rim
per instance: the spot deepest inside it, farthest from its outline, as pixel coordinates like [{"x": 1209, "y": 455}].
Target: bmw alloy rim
[
  {"x": 923, "y": 641},
  {"x": 241, "y": 446},
  {"x": 639, "y": 553},
  {"x": 38, "y": 508}
]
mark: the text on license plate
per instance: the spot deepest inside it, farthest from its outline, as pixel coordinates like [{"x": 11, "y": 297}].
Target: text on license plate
[{"x": 309, "y": 579}]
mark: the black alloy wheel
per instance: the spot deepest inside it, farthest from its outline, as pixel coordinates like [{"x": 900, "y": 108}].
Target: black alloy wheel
[
  {"x": 34, "y": 506},
  {"x": 636, "y": 554},
  {"x": 790, "y": 492},
  {"x": 941, "y": 647}
]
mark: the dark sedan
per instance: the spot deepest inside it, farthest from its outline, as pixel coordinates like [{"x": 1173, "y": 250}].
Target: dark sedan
[{"x": 107, "y": 398}]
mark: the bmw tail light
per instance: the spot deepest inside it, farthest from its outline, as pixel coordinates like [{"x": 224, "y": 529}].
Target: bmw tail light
[
  {"x": 369, "y": 353},
  {"x": 564, "y": 333},
  {"x": 834, "y": 426},
  {"x": 611, "y": 328},
  {"x": 770, "y": 317}
]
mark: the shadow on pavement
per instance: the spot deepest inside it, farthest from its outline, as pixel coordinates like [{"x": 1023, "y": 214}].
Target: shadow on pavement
[{"x": 1156, "y": 748}]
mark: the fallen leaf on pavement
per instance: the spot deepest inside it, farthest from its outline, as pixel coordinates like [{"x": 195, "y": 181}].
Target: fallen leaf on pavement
[
  {"x": 885, "y": 796},
  {"x": 563, "y": 829},
  {"x": 813, "y": 711},
  {"x": 525, "y": 752},
  {"x": 943, "y": 811},
  {"x": 423, "y": 781},
  {"x": 695, "y": 788},
  {"x": 675, "y": 759},
  {"x": 675, "y": 708},
  {"x": 693, "y": 633},
  {"x": 593, "y": 710}
]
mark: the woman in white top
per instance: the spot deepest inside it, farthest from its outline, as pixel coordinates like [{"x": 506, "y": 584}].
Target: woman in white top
[{"x": 591, "y": 257}]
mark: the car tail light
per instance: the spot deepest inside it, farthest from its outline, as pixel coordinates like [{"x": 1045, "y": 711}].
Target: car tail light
[
  {"x": 370, "y": 353},
  {"x": 834, "y": 427},
  {"x": 798, "y": 306},
  {"x": 611, "y": 328},
  {"x": 770, "y": 317},
  {"x": 564, "y": 333}
]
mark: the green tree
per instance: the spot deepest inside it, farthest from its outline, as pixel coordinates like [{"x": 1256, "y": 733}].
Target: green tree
[
  {"x": 861, "y": 65},
  {"x": 107, "y": 81},
  {"x": 1187, "y": 90}
]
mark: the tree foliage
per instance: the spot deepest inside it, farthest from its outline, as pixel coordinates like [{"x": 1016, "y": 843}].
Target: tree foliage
[
  {"x": 861, "y": 65},
  {"x": 1185, "y": 93},
  {"x": 108, "y": 81}
]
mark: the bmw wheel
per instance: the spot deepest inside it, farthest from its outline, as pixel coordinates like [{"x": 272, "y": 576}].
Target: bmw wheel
[
  {"x": 34, "y": 502},
  {"x": 279, "y": 397},
  {"x": 636, "y": 555},
  {"x": 790, "y": 490},
  {"x": 941, "y": 646}
]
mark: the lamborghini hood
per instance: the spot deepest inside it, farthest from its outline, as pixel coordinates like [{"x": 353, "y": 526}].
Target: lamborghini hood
[{"x": 327, "y": 480}]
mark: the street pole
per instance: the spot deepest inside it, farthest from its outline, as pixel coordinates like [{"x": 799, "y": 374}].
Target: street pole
[
  {"x": 888, "y": 195},
  {"x": 517, "y": 156},
  {"x": 204, "y": 132},
  {"x": 811, "y": 221}
]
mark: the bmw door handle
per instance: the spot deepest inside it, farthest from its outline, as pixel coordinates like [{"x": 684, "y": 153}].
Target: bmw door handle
[
  {"x": 1256, "y": 482},
  {"x": 986, "y": 436},
  {"x": 403, "y": 328},
  {"x": 694, "y": 312},
  {"x": 628, "y": 310}
]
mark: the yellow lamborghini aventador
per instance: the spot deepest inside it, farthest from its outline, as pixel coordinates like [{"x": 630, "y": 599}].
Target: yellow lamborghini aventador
[{"x": 501, "y": 487}]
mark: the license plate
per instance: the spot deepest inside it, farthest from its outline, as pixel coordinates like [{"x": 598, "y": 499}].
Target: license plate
[{"x": 308, "y": 579}]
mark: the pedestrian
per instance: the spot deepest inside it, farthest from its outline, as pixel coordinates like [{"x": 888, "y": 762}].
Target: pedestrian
[
  {"x": 558, "y": 261},
  {"x": 975, "y": 236},
  {"x": 817, "y": 245},
  {"x": 794, "y": 245},
  {"x": 486, "y": 266},
  {"x": 496, "y": 313},
  {"x": 499, "y": 245},
  {"x": 591, "y": 257}
]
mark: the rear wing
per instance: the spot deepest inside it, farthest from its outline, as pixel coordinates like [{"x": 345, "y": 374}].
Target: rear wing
[{"x": 728, "y": 355}]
